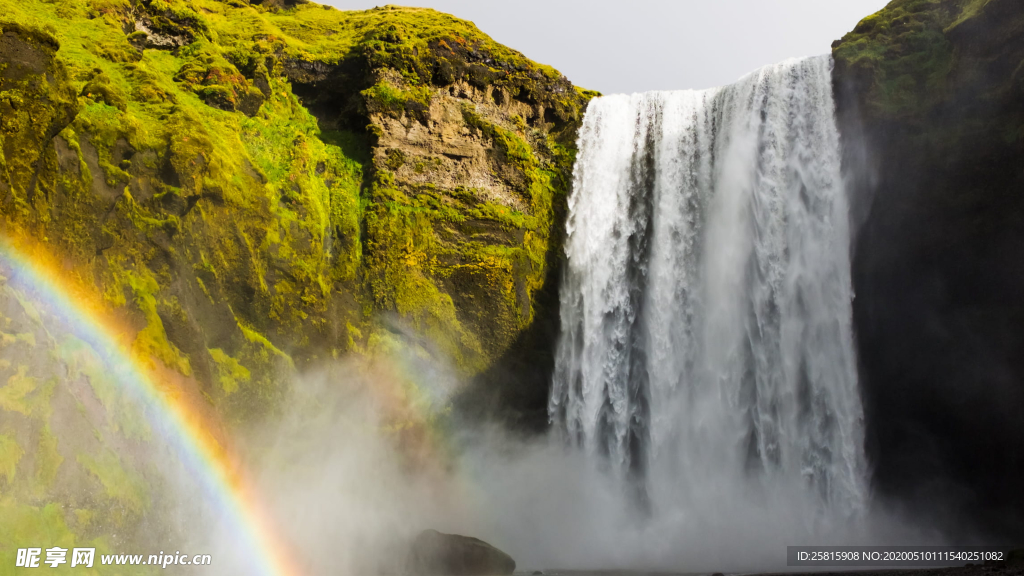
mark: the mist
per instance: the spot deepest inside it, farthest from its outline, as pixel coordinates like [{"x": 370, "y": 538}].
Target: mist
[
  {"x": 368, "y": 450},
  {"x": 365, "y": 456}
]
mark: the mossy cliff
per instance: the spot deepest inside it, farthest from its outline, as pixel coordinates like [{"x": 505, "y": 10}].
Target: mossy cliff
[
  {"x": 256, "y": 184},
  {"x": 258, "y": 187},
  {"x": 931, "y": 104}
]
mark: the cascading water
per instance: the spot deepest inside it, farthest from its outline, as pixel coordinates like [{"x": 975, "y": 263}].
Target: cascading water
[{"x": 706, "y": 352}]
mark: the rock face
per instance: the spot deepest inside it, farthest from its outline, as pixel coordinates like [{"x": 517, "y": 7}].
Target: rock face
[
  {"x": 437, "y": 554},
  {"x": 931, "y": 104},
  {"x": 37, "y": 102},
  {"x": 472, "y": 152}
]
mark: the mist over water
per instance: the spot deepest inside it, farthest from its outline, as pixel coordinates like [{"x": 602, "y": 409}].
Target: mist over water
[{"x": 365, "y": 457}]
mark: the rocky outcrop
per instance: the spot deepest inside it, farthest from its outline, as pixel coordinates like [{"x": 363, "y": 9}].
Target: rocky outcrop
[
  {"x": 37, "y": 101},
  {"x": 471, "y": 157},
  {"x": 931, "y": 104},
  {"x": 437, "y": 554}
]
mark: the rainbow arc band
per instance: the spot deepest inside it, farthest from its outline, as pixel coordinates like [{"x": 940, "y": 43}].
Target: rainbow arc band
[{"x": 172, "y": 418}]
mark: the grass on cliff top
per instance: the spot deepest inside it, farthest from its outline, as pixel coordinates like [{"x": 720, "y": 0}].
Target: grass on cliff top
[
  {"x": 309, "y": 32},
  {"x": 905, "y": 28},
  {"x": 906, "y": 49},
  {"x": 905, "y": 45},
  {"x": 314, "y": 32},
  {"x": 331, "y": 34}
]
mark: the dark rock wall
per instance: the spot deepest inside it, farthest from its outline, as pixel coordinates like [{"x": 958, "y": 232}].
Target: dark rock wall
[{"x": 931, "y": 104}]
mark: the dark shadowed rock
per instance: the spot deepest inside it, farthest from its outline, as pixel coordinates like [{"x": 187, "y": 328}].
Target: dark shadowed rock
[
  {"x": 1015, "y": 558},
  {"x": 927, "y": 97},
  {"x": 437, "y": 554}
]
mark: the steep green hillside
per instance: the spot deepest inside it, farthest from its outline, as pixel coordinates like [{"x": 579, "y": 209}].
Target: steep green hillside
[
  {"x": 257, "y": 185},
  {"x": 255, "y": 188}
]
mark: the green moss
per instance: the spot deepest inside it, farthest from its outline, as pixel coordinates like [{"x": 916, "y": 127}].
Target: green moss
[
  {"x": 384, "y": 98},
  {"x": 151, "y": 342},
  {"x": 392, "y": 36},
  {"x": 904, "y": 48},
  {"x": 122, "y": 414},
  {"x": 99, "y": 89},
  {"x": 122, "y": 487},
  {"x": 229, "y": 371},
  {"x": 80, "y": 359},
  {"x": 541, "y": 186},
  {"x": 24, "y": 523},
  {"x": 969, "y": 9},
  {"x": 48, "y": 460},
  {"x": 176, "y": 18},
  {"x": 10, "y": 455},
  {"x": 30, "y": 310},
  {"x": 22, "y": 338},
  {"x": 400, "y": 243},
  {"x": 208, "y": 73},
  {"x": 84, "y": 517},
  {"x": 244, "y": 393},
  {"x": 19, "y": 393},
  {"x": 508, "y": 217}
]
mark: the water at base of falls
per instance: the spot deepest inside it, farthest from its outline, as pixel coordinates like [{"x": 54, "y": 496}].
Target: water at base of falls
[{"x": 706, "y": 355}]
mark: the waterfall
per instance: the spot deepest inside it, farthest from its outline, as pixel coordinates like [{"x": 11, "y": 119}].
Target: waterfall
[{"x": 706, "y": 349}]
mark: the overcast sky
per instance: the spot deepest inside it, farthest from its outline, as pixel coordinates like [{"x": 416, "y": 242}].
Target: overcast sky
[{"x": 637, "y": 45}]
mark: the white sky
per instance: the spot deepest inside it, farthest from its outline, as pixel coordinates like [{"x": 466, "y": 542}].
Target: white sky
[{"x": 638, "y": 45}]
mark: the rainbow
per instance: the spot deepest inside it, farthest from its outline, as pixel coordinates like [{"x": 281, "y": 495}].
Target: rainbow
[{"x": 181, "y": 425}]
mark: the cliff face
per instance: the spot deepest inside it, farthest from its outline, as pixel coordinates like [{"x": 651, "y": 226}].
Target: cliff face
[
  {"x": 256, "y": 187},
  {"x": 267, "y": 182},
  {"x": 931, "y": 102}
]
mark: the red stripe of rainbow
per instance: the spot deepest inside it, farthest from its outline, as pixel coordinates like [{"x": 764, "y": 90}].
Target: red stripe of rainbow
[{"x": 178, "y": 423}]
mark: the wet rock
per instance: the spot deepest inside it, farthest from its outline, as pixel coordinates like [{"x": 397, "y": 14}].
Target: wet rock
[{"x": 437, "y": 554}]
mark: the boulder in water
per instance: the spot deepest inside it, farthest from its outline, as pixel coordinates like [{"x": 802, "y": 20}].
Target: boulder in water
[{"x": 437, "y": 554}]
